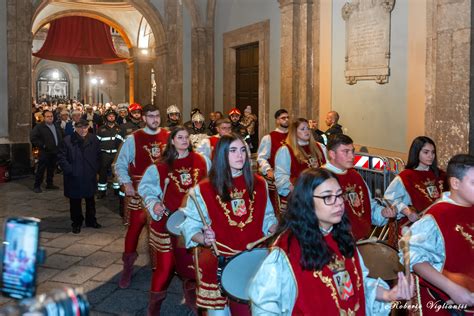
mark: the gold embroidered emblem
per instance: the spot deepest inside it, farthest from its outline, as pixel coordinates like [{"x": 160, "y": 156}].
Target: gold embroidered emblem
[
  {"x": 466, "y": 235},
  {"x": 334, "y": 293},
  {"x": 355, "y": 199},
  {"x": 185, "y": 179},
  {"x": 154, "y": 151},
  {"x": 429, "y": 189},
  {"x": 240, "y": 208}
]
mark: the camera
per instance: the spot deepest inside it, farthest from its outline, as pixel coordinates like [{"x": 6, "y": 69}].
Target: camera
[{"x": 21, "y": 256}]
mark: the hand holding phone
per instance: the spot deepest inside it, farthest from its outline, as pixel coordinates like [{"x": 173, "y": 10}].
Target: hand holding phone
[{"x": 20, "y": 253}]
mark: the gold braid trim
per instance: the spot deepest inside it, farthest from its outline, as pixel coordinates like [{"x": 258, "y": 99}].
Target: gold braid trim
[
  {"x": 328, "y": 282},
  {"x": 466, "y": 235},
  {"x": 231, "y": 222},
  {"x": 356, "y": 273}
]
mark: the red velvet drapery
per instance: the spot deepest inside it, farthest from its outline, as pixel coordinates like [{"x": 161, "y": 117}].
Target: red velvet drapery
[{"x": 79, "y": 40}]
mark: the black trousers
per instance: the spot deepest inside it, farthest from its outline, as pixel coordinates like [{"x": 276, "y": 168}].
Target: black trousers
[
  {"x": 106, "y": 161},
  {"x": 46, "y": 162},
  {"x": 75, "y": 208}
]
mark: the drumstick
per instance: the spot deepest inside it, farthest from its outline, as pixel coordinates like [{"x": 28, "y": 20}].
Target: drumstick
[
  {"x": 367, "y": 241},
  {"x": 251, "y": 245},
  {"x": 167, "y": 182},
  {"x": 405, "y": 245},
  {"x": 203, "y": 219}
]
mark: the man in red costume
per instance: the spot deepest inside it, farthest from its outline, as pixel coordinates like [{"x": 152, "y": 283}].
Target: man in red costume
[
  {"x": 140, "y": 150},
  {"x": 267, "y": 151},
  {"x": 363, "y": 211},
  {"x": 442, "y": 247}
]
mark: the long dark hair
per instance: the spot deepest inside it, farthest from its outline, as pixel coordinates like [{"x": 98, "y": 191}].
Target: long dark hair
[
  {"x": 220, "y": 174},
  {"x": 301, "y": 220},
  {"x": 414, "y": 154},
  {"x": 170, "y": 154}
]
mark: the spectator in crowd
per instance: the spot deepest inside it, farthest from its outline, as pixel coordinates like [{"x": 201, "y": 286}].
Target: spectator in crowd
[{"x": 47, "y": 137}]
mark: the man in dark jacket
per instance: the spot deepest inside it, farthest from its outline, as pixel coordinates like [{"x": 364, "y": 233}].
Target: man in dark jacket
[
  {"x": 79, "y": 159},
  {"x": 48, "y": 138}
]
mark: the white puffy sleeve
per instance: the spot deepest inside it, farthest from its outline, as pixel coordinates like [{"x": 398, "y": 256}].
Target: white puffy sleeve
[
  {"x": 273, "y": 290},
  {"x": 426, "y": 244},
  {"x": 192, "y": 223},
  {"x": 283, "y": 171}
]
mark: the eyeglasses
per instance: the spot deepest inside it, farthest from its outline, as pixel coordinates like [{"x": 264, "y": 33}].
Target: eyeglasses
[{"x": 330, "y": 199}]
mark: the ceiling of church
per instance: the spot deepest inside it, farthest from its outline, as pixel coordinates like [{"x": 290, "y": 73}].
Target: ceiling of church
[{"x": 119, "y": 14}]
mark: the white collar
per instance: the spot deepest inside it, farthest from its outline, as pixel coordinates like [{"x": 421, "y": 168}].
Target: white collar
[{"x": 333, "y": 168}]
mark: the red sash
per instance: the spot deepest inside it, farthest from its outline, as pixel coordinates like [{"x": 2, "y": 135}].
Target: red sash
[
  {"x": 317, "y": 290},
  {"x": 357, "y": 203}
]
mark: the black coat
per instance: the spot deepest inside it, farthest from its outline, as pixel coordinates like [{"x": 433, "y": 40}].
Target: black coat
[
  {"x": 42, "y": 137},
  {"x": 80, "y": 161}
]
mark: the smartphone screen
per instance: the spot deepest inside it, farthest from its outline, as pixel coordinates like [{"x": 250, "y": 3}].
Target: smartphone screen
[{"x": 20, "y": 247}]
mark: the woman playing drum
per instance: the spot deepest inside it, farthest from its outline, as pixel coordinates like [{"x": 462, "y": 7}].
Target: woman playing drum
[
  {"x": 314, "y": 267},
  {"x": 300, "y": 152},
  {"x": 420, "y": 184},
  {"x": 235, "y": 202},
  {"x": 163, "y": 188}
]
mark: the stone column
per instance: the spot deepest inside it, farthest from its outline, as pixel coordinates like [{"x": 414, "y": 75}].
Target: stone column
[
  {"x": 161, "y": 66},
  {"x": 174, "y": 30},
  {"x": 19, "y": 43},
  {"x": 140, "y": 74},
  {"x": 202, "y": 69},
  {"x": 297, "y": 69},
  {"x": 449, "y": 87}
]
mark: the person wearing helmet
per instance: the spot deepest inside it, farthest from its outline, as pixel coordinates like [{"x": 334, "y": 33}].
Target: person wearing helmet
[
  {"x": 189, "y": 124},
  {"x": 174, "y": 116},
  {"x": 135, "y": 121},
  {"x": 110, "y": 139},
  {"x": 122, "y": 109},
  {"x": 198, "y": 131}
]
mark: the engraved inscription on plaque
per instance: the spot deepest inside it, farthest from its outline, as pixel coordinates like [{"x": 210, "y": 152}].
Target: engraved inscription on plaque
[{"x": 367, "y": 40}]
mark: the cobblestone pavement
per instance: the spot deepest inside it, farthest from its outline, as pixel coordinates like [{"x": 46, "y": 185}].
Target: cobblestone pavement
[{"x": 90, "y": 260}]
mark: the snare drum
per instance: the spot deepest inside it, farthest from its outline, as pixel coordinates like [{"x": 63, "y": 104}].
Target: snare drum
[
  {"x": 173, "y": 222},
  {"x": 184, "y": 259},
  {"x": 239, "y": 271},
  {"x": 381, "y": 259}
]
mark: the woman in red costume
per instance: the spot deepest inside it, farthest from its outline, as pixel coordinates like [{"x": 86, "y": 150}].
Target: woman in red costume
[
  {"x": 163, "y": 188},
  {"x": 314, "y": 267},
  {"x": 235, "y": 203},
  {"x": 299, "y": 153},
  {"x": 420, "y": 184}
]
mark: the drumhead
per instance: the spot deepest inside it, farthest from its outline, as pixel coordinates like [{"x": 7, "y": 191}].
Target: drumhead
[
  {"x": 173, "y": 222},
  {"x": 239, "y": 272},
  {"x": 381, "y": 260}
]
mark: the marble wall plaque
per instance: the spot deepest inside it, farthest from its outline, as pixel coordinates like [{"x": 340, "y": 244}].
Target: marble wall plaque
[{"x": 367, "y": 40}]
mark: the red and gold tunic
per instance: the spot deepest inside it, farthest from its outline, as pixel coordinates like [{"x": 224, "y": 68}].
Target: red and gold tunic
[
  {"x": 456, "y": 224},
  {"x": 235, "y": 223},
  {"x": 298, "y": 167},
  {"x": 317, "y": 291},
  {"x": 424, "y": 187},
  {"x": 185, "y": 173},
  {"x": 357, "y": 202},
  {"x": 148, "y": 149},
  {"x": 213, "y": 143},
  {"x": 277, "y": 140}
]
